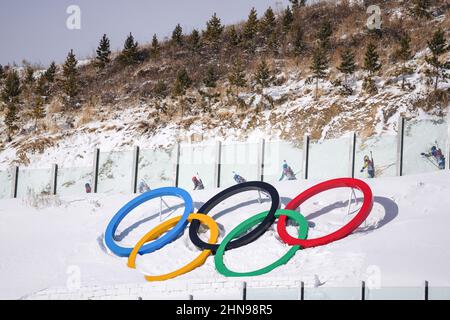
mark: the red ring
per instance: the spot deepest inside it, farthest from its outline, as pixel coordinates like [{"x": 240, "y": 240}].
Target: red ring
[{"x": 342, "y": 232}]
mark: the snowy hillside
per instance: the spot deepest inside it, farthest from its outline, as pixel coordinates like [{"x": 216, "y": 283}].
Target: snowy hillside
[{"x": 47, "y": 241}]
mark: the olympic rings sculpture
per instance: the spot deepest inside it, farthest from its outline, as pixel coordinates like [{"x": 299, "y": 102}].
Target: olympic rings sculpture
[{"x": 169, "y": 230}]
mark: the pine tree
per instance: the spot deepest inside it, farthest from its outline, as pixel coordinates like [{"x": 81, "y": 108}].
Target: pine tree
[
  {"x": 372, "y": 59},
  {"x": 103, "y": 52},
  {"x": 50, "y": 73},
  {"x": 213, "y": 32},
  {"x": 211, "y": 78},
  {"x": 42, "y": 88},
  {"x": 70, "y": 75},
  {"x": 2, "y": 73},
  {"x": 10, "y": 96},
  {"x": 263, "y": 74},
  {"x": 129, "y": 53},
  {"x": 319, "y": 66},
  {"x": 288, "y": 19},
  {"x": 11, "y": 89},
  {"x": 160, "y": 89},
  {"x": 38, "y": 110},
  {"x": 233, "y": 38},
  {"x": 195, "y": 40},
  {"x": 404, "y": 53},
  {"x": 29, "y": 75},
  {"x": 348, "y": 65},
  {"x": 296, "y": 4},
  {"x": 324, "y": 34},
  {"x": 251, "y": 26},
  {"x": 155, "y": 49},
  {"x": 177, "y": 35},
  {"x": 182, "y": 83},
  {"x": 298, "y": 44},
  {"x": 420, "y": 8},
  {"x": 268, "y": 23},
  {"x": 438, "y": 47},
  {"x": 237, "y": 74}
]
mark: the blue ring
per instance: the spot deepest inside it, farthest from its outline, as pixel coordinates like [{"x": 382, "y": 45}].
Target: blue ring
[{"x": 160, "y": 242}]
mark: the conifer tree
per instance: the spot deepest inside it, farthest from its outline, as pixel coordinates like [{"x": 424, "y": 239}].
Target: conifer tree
[
  {"x": 29, "y": 75},
  {"x": 233, "y": 38},
  {"x": 10, "y": 96},
  {"x": 103, "y": 52},
  {"x": 251, "y": 26},
  {"x": 268, "y": 23},
  {"x": 129, "y": 53},
  {"x": 319, "y": 66},
  {"x": 420, "y": 8},
  {"x": 70, "y": 75},
  {"x": 213, "y": 32},
  {"x": 263, "y": 74},
  {"x": 211, "y": 78},
  {"x": 237, "y": 75},
  {"x": 348, "y": 65},
  {"x": 160, "y": 89},
  {"x": 177, "y": 35},
  {"x": 298, "y": 44},
  {"x": 296, "y": 4},
  {"x": 2, "y": 73},
  {"x": 182, "y": 83},
  {"x": 324, "y": 35},
  {"x": 288, "y": 19},
  {"x": 155, "y": 49},
  {"x": 38, "y": 111},
  {"x": 438, "y": 47},
  {"x": 50, "y": 73},
  {"x": 404, "y": 53},
  {"x": 372, "y": 59},
  {"x": 195, "y": 41},
  {"x": 42, "y": 88}
]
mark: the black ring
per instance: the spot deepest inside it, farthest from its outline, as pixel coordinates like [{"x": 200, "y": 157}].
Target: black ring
[{"x": 252, "y": 235}]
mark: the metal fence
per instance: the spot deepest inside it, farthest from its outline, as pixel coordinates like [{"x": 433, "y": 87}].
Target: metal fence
[{"x": 216, "y": 163}]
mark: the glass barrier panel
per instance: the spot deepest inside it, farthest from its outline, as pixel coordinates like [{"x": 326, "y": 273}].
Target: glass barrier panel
[
  {"x": 114, "y": 172},
  {"x": 382, "y": 151},
  {"x": 329, "y": 158},
  {"x": 197, "y": 160},
  {"x": 396, "y": 293},
  {"x": 439, "y": 293},
  {"x": 6, "y": 177},
  {"x": 34, "y": 181},
  {"x": 273, "y": 293},
  {"x": 275, "y": 153},
  {"x": 157, "y": 168},
  {"x": 241, "y": 158},
  {"x": 333, "y": 293},
  {"x": 420, "y": 137},
  {"x": 72, "y": 181}
]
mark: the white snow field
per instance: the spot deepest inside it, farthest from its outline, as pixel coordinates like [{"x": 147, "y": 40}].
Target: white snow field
[{"x": 52, "y": 247}]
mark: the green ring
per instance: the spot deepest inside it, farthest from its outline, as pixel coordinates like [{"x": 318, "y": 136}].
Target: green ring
[{"x": 246, "y": 225}]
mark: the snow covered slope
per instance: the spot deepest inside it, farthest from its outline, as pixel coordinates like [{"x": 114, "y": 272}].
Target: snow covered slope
[{"x": 46, "y": 242}]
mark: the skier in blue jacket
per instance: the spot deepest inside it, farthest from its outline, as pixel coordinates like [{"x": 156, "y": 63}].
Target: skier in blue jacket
[
  {"x": 238, "y": 178},
  {"x": 287, "y": 172},
  {"x": 436, "y": 153}
]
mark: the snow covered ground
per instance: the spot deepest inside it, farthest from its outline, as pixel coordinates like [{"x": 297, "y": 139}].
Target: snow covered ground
[{"x": 52, "y": 247}]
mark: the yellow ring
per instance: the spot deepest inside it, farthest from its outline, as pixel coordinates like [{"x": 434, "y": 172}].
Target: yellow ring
[{"x": 156, "y": 232}]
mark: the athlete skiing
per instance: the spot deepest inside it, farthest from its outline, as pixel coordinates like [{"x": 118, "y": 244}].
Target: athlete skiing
[
  {"x": 198, "y": 184},
  {"x": 368, "y": 164},
  {"x": 238, "y": 178},
  {"x": 436, "y": 153},
  {"x": 287, "y": 172}
]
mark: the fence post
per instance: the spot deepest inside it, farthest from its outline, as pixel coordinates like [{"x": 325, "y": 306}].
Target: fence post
[
  {"x": 363, "y": 290},
  {"x": 400, "y": 145},
  {"x": 134, "y": 169},
  {"x": 15, "y": 182},
  {"x": 352, "y": 154},
  {"x": 95, "y": 170},
  {"x": 218, "y": 164},
  {"x": 305, "y": 156},
  {"x": 261, "y": 155},
  {"x": 191, "y": 297},
  {"x": 301, "y": 295},
  {"x": 177, "y": 165},
  {"x": 244, "y": 290},
  {"x": 426, "y": 290},
  {"x": 54, "y": 179}
]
